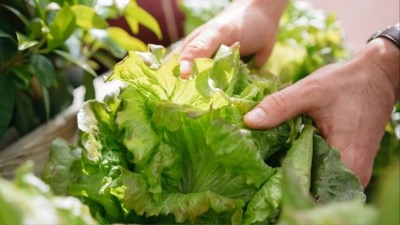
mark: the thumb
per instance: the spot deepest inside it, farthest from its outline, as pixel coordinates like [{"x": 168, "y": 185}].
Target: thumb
[{"x": 281, "y": 106}]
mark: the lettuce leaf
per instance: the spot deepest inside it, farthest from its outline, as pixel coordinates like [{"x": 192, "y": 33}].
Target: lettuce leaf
[
  {"x": 330, "y": 188},
  {"x": 336, "y": 194}
]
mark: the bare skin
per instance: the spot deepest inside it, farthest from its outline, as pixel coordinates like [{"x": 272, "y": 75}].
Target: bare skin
[
  {"x": 350, "y": 102},
  {"x": 260, "y": 20}
]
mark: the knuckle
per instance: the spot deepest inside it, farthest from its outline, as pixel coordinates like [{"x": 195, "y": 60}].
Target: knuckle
[
  {"x": 198, "y": 45},
  {"x": 277, "y": 102}
]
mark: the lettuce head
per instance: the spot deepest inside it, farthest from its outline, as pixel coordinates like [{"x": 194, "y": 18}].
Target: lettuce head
[{"x": 166, "y": 150}]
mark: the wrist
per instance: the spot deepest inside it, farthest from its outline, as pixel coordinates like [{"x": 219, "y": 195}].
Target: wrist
[{"x": 385, "y": 56}]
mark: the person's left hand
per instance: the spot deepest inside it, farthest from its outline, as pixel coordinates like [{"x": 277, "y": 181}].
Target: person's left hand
[{"x": 252, "y": 23}]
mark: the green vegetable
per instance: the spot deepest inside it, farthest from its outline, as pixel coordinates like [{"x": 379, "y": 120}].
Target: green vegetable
[
  {"x": 329, "y": 206},
  {"x": 167, "y": 150},
  {"x": 326, "y": 160},
  {"x": 28, "y": 200},
  {"x": 300, "y": 156}
]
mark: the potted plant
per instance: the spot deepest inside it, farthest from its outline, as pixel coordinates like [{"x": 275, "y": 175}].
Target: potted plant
[
  {"x": 47, "y": 49},
  {"x": 46, "y": 43}
]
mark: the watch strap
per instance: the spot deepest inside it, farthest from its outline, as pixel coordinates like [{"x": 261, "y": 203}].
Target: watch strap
[{"x": 391, "y": 33}]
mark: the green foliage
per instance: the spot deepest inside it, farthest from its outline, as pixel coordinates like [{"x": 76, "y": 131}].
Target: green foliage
[
  {"x": 387, "y": 196},
  {"x": 42, "y": 40},
  {"x": 166, "y": 150},
  {"x": 135, "y": 15},
  {"x": 6, "y": 104},
  {"x": 307, "y": 40},
  {"x": 331, "y": 204},
  {"x": 62, "y": 26},
  {"x": 27, "y": 199},
  {"x": 43, "y": 69}
]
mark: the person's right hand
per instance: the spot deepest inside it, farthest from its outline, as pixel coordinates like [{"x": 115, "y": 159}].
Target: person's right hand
[
  {"x": 350, "y": 102},
  {"x": 252, "y": 23}
]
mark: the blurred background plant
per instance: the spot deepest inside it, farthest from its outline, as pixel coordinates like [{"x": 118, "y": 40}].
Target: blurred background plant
[{"x": 49, "y": 47}]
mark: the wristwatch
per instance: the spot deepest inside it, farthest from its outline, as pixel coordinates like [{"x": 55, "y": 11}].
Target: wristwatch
[{"x": 391, "y": 33}]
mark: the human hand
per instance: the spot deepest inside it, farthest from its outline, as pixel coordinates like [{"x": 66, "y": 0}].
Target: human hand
[
  {"x": 252, "y": 23},
  {"x": 350, "y": 103}
]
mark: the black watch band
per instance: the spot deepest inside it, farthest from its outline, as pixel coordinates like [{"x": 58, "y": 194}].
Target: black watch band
[{"x": 391, "y": 33}]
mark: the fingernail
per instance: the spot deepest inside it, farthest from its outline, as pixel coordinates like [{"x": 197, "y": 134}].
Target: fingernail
[
  {"x": 256, "y": 116},
  {"x": 185, "y": 68}
]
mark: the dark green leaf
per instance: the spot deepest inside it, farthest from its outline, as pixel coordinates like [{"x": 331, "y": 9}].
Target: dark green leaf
[
  {"x": 8, "y": 40},
  {"x": 7, "y": 101},
  {"x": 23, "y": 75},
  {"x": 25, "y": 118},
  {"x": 17, "y": 13},
  {"x": 7, "y": 52},
  {"x": 44, "y": 69},
  {"x": 46, "y": 102},
  {"x": 5, "y": 35},
  {"x": 62, "y": 27},
  {"x": 332, "y": 181},
  {"x": 89, "y": 87},
  {"x": 61, "y": 95}
]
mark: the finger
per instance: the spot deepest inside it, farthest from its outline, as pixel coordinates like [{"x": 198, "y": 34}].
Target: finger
[
  {"x": 185, "y": 69},
  {"x": 188, "y": 39},
  {"x": 178, "y": 46},
  {"x": 283, "y": 105},
  {"x": 262, "y": 56},
  {"x": 203, "y": 45}
]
